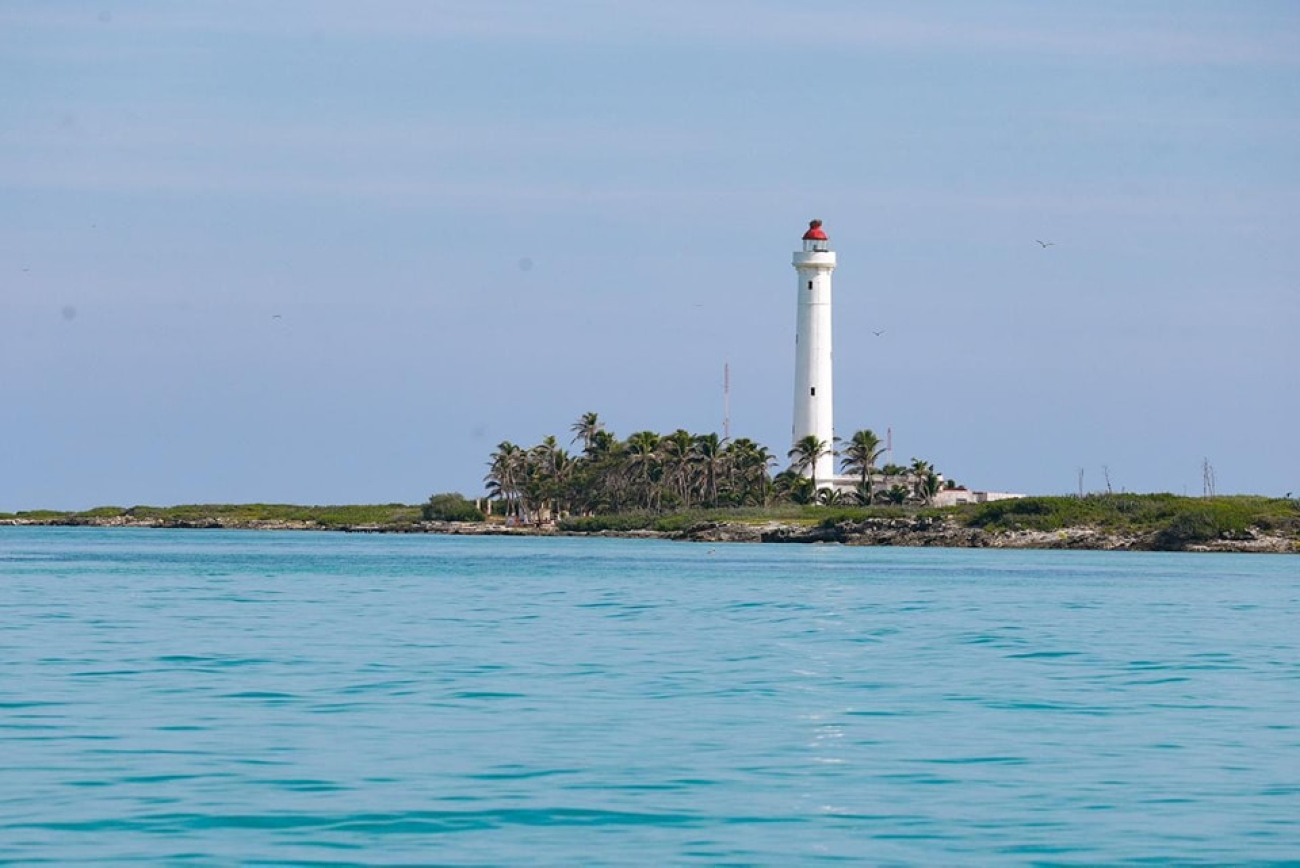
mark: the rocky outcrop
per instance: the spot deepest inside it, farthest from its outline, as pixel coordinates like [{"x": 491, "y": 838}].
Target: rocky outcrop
[
  {"x": 869, "y": 532},
  {"x": 1249, "y": 541},
  {"x": 727, "y": 531},
  {"x": 930, "y": 531}
]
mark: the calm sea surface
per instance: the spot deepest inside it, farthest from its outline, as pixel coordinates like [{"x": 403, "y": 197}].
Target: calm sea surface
[{"x": 224, "y": 697}]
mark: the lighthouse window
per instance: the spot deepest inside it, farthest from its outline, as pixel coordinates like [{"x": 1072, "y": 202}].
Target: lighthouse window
[
  {"x": 810, "y": 284},
  {"x": 813, "y": 391}
]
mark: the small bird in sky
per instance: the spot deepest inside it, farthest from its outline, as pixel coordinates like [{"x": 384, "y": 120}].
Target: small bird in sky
[
  {"x": 1045, "y": 244},
  {"x": 276, "y": 316},
  {"x": 879, "y": 333}
]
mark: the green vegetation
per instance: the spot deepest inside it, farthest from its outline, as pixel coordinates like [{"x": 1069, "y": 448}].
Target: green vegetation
[
  {"x": 324, "y": 516},
  {"x": 391, "y": 514},
  {"x": 669, "y": 522},
  {"x": 1161, "y": 521},
  {"x": 1156, "y": 521},
  {"x": 654, "y": 474},
  {"x": 672, "y": 482},
  {"x": 809, "y": 515},
  {"x": 1173, "y": 522},
  {"x": 35, "y": 515},
  {"x": 451, "y": 507},
  {"x": 104, "y": 512}
]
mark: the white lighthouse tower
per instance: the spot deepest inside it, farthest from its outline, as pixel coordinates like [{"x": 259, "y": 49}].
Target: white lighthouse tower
[{"x": 813, "y": 409}]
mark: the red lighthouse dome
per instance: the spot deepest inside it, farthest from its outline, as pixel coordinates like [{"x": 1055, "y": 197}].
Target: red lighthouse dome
[{"x": 815, "y": 232}]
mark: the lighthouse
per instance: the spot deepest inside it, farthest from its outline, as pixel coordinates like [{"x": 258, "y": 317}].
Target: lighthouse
[{"x": 813, "y": 409}]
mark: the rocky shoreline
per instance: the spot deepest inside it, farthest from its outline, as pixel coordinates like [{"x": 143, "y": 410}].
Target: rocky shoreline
[
  {"x": 902, "y": 531},
  {"x": 941, "y": 533}
]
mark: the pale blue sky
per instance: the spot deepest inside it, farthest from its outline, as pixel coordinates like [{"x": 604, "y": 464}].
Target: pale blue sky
[{"x": 326, "y": 252}]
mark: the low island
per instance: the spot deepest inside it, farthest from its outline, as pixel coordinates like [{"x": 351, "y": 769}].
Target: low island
[
  {"x": 1133, "y": 522},
  {"x": 706, "y": 488}
]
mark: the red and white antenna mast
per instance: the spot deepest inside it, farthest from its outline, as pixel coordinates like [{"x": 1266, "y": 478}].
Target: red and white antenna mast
[{"x": 726, "y": 401}]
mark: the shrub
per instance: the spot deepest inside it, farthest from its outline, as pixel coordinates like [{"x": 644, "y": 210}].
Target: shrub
[
  {"x": 104, "y": 512},
  {"x": 1028, "y": 513},
  {"x": 676, "y": 522},
  {"x": 451, "y": 506},
  {"x": 624, "y": 521},
  {"x": 1192, "y": 526}
]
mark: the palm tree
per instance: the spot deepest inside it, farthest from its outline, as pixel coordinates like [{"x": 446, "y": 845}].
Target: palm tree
[
  {"x": 556, "y": 472},
  {"x": 830, "y": 497},
  {"x": 600, "y": 479},
  {"x": 801, "y": 490},
  {"x": 889, "y": 474},
  {"x": 506, "y": 476},
  {"x": 748, "y": 463},
  {"x": 544, "y": 453},
  {"x": 918, "y": 470},
  {"x": 643, "y": 462},
  {"x": 805, "y": 453},
  {"x": 678, "y": 470},
  {"x": 677, "y": 450},
  {"x": 594, "y": 482},
  {"x": 929, "y": 487},
  {"x": 762, "y": 461},
  {"x": 860, "y": 458},
  {"x": 708, "y": 453},
  {"x": 602, "y": 443},
  {"x": 585, "y": 430},
  {"x": 896, "y": 495},
  {"x": 862, "y": 494},
  {"x": 789, "y": 486}
]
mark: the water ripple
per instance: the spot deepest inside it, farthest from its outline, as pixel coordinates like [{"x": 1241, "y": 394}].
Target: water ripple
[{"x": 242, "y": 698}]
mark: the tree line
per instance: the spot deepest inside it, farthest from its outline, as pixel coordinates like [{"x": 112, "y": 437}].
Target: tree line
[{"x": 650, "y": 471}]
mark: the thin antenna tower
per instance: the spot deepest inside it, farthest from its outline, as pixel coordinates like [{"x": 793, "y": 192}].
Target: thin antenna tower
[
  {"x": 889, "y": 445},
  {"x": 726, "y": 401}
]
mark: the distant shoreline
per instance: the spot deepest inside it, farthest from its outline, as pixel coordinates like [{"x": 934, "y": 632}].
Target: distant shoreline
[{"x": 903, "y": 531}]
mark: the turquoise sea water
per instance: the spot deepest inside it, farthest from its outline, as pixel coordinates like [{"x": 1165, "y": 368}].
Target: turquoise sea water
[{"x": 223, "y": 697}]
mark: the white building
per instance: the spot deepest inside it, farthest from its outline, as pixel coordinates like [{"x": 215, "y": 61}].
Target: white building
[
  {"x": 954, "y": 496},
  {"x": 813, "y": 387}
]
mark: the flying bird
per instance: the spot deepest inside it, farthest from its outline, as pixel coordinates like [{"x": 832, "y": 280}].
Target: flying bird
[
  {"x": 1045, "y": 244},
  {"x": 879, "y": 333}
]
